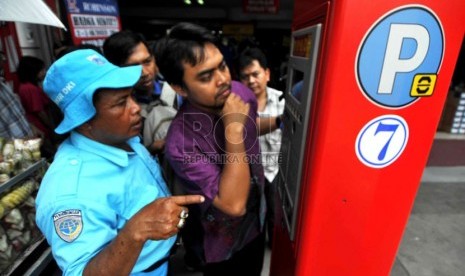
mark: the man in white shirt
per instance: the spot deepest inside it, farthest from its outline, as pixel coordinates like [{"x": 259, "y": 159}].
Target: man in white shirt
[{"x": 254, "y": 73}]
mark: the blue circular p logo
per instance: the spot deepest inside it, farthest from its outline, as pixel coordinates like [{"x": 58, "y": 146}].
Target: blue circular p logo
[{"x": 400, "y": 56}]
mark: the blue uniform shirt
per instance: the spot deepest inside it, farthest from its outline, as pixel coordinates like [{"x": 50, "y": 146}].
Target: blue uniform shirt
[{"x": 89, "y": 193}]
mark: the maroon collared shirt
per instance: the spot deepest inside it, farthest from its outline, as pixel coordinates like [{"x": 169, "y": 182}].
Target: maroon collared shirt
[{"x": 195, "y": 149}]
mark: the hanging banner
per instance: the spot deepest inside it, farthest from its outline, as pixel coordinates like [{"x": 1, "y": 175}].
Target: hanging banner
[
  {"x": 260, "y": 6},
  {"x": 91, "y": 21}
]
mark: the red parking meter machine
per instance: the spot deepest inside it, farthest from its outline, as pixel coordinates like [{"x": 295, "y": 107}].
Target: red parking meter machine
[{"x": 367, "y": 81}]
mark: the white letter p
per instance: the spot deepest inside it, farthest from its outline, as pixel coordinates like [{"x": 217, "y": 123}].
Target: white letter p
[{"x": 393, "y": 63}]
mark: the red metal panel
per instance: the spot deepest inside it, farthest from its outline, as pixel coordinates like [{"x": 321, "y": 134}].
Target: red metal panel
[{"x": 353, "y": 213}]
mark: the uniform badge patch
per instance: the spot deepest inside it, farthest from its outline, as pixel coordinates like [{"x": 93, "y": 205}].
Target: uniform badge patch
[{"x": 68, "y": 224}]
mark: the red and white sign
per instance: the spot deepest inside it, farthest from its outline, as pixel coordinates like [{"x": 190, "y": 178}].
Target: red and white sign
[
  {"x": 91, "y": 21},
  {"x": 260, "y": 6}
]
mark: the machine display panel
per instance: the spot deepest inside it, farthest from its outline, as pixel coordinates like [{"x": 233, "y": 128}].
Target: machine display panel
[
  {"x": 303, "y": 45},
  {"x": 298, "y": 95},
  {"x": 302, "y": 60}
]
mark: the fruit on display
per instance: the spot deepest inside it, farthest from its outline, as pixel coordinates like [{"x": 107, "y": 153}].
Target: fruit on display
[
  {"x": 4, "y": 178},
  {"x": 8, "y": 150},
  {"x": 29, "y": 148},
  {"x": 7, "y": 254},
  {"x": 16, "y": 230},
  {"x": 18, "y": 195},
  {"x": 18, "y": 154},
  {"x": 17, "y": 221},
  {"x": 19, "y": 181},
  {"x": 6, "y": 167}
]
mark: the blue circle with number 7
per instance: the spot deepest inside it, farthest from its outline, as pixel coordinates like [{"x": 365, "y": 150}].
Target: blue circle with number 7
[{"x": 381, "y": 141}]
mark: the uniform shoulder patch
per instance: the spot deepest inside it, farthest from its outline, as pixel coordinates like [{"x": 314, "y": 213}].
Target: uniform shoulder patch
[{"x": 68, "y": 224}]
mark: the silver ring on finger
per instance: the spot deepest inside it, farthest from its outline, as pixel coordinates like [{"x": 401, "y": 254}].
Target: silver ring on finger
[
  {"x": 181, "y": 223},
  {"x": 184, "y": 214}
]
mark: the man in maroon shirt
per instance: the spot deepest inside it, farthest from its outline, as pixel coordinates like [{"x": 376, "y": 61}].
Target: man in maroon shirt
[{"x": 212, "y": 146}]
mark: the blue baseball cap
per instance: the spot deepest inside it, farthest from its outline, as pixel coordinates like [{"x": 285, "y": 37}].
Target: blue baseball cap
[{"x": 72, "y": 80}]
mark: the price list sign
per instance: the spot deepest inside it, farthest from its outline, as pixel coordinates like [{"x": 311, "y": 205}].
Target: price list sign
[{"x": 91, "y": 21}]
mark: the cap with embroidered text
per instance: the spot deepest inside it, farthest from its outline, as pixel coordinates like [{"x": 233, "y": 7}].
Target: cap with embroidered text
[{"x": 72, "y": 80}]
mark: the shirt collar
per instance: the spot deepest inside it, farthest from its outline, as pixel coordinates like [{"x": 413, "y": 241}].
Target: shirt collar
[
  {"x": 146, "y": 99},
  {"x": 118, "y": 156},
  {"x": 271, "y": 95},
  {"x": 187, "y": 107}
]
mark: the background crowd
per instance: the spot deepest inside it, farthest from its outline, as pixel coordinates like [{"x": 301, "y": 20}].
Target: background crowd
[{"x": 188, "y": 76}]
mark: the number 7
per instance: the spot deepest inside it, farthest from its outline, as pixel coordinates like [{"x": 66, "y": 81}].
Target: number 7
[{"x": 387, "y": 128}]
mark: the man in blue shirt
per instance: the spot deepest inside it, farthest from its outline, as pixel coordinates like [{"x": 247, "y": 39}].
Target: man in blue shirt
[
  {"x": 103, "y": 205},
  {"x": 128, "y": 48}
]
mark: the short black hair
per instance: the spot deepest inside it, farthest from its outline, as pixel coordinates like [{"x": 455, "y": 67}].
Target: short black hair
[
  {"x": 73, "y": 48},
  {"x": 249, "y": 55},
  {"x": 185, "y": 43},
  {"x": 119, "y": 46},
  {"x": 28, "y": 69}
]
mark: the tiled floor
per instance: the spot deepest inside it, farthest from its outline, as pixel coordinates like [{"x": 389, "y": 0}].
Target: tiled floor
[
  {"x": 433, "y": 243},
  {"x": 434, "y": 239}
]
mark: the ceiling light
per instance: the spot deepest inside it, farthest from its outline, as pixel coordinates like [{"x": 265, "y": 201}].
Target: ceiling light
[
  {"x": 187, "y": 2},
  {"x": 200, "y": 2}
]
